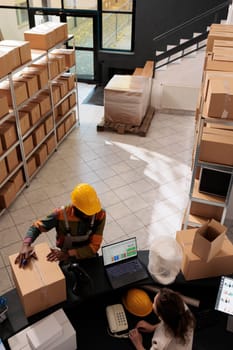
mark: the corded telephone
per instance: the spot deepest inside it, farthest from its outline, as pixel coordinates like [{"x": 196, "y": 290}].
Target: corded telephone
[{"x": 116, "y": 317}]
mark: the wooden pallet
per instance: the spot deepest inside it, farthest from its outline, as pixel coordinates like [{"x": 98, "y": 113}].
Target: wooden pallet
[{"x": 120, "y": 128}]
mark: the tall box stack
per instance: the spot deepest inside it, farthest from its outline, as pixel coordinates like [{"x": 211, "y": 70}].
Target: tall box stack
[
  {"x": 207, "y": 252},
  {"x": 41, "y": 284},
  {"x": 126, "y": 98}
]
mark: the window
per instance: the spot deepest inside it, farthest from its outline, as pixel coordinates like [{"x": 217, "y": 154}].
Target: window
[
  {"x": 117, "y": 19},
  {"x": 21, "y": 15}
]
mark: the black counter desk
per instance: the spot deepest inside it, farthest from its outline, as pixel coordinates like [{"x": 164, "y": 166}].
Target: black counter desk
[{"x": 87, "y": 315}]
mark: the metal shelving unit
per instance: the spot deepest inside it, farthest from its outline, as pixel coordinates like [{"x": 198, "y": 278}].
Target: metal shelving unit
[
  {"x": 221, "y": 203},
  {"x": 36, "y": 56}
]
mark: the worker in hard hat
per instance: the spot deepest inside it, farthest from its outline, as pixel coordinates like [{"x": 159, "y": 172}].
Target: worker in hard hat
[
  {"x": 79, "y": 228},
  {"x": 176, "y": 326}
]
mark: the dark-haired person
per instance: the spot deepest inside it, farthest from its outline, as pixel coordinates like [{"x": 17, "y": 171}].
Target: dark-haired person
[
  {"x": 79, "y": 228},
  {"x": 176, "y": 326}
]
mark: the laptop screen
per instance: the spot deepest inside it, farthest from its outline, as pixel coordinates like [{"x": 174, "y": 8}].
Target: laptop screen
[
  {"x": 119, "y": 251},
  {"x": 224, "y": 300}
]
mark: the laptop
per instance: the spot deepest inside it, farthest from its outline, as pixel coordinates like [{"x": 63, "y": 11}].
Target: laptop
[{"x": 121, "y": 263}]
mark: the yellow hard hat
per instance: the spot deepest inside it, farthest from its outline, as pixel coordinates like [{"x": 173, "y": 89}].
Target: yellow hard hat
[
  {"x": 137, "y": 302},
  {"x": 85, "y": 199}
]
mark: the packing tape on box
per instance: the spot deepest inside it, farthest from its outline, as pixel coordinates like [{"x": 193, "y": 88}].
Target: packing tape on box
[{"x": 44, "y": 291}]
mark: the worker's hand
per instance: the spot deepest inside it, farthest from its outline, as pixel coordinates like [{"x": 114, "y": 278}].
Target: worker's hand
[
  {"x": 136, "y": 339},
  {"x": 26, "y": 253},
  {"x": 57, "y": 255},
  {"x": 145, "y": 327}
]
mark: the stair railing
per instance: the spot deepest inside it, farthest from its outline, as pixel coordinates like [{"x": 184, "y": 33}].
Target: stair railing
[{"x": 198, "y": 42}]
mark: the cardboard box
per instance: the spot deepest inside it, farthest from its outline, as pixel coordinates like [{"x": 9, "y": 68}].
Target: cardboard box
[
  {"x": 4, "y": 67},
  {"x": 1, "y": 148},
  {"x": 60, "y": 62},
  {"x": 51, "y": 65},
  {"x": 63, "y": 107},
  {"x": 13, "y": 56},
  {"x": 31, "y": 166},
  {"x": 20, "y": 90},
  {"x": 23, "y": 46},
  {"x": 40, "y": 285},
  {"x": 4, "y": 110},
  {"x": 66, "y": 341},
  {"x": 48, "y": 124},
  {"x": 56, "y": 93},
  {"x": 41, "y": 155},
  {"x": 69, "y": 55},
  {"x": 217, "y": 35},
  {"x": 208, "y": 240},
  {"x": 62, "y": 85},
  {"x": 219, "y": 99},
  {"x": 218, "y": 64},
  {"x": 7, "y": 195},
  {"x": 3, "y": 172},
  {"x": 31, "y": 83},
  {"x": 60, "y": 131},
  {"x": 18, "y": 180},
  {"x": 41, "y": 72},
  {"x": 44, "y": 101},
  {"x": 28, "y": 145},
  {"x": 12, "y": 160},
  {"x": 50, "y": 143},
  {"x": 72, "y": 100},
  {"x": 216, "y": 149},
  {"x": 8, "y": 134},
  {"x": 24, "y": 121},
  {"x": 40, "y": 37},
  {"x": 205, "y": 210},
  {"x": 33, "y": 110},
  {"x": 68, "y": 123},
  {"x": 39, "y": 134},
  {"x": 195, "y": 268},
  {"x": 69, "y": 78}
]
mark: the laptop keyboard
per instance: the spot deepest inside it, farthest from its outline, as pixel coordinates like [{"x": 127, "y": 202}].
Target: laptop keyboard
[{"x": 129, "y": 266}]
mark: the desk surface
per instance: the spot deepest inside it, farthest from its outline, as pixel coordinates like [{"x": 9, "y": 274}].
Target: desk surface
[{"x": 88, "y": 314}]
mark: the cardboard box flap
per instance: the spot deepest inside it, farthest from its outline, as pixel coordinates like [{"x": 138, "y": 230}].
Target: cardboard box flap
[{"x": 208, "y": 240}]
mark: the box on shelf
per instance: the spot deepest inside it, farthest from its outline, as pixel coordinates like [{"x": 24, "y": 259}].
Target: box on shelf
[
  {"x": 40, "y": 285},
  {"x": 219, "y": 99},
  {"x": 38, "y": 134},
  {"x": 41, "y": 328},
  {"x": 31, "y": 165},
  {"x": 72, "y": 100},
  {"x": 13, "y": 56},
  {"x": 60, "y": 29},
  {"x": 12, "y": 160},
  {"x": 217, "y": 35},
  {"x": 126, "y": 99},
  {"x": 31, "y": 83},
  {"x": 40, "y": 72},
  {"x": 216, "y": 64},
  {"x": 8, "y": 134},
  {"x": 7, "y": 195},
  {"x": 69, "y": 55},
  {"x": 41, "y": 155},
  {"x": 60, "y": 62},
  {"x": 50, "y": 143},
  {"x": 24, "y": 121},
  {"x": 68, "y": 122},
  {"x": 69, "y": 78},
  {"x": 51, "y": 65},
  {"x": 60, "y": 131},
  {"x": 63, "y": 107},
  {"x": 62, "y": 85},
  {"x": 28, "y": 145},
  {"x": 18, "y": 180},
  {"x": 4, "y": 110},
  {"x": 206, "y": 210},
  {"x": 194, "y": 267},
  {"x": 3, "y": 172},
  {"x": 40, "y": 37},
  {"x": 4, "y": 67},
  {"x": 23, "y": 46},
  {"x": 48, "y": 124},
  {"x": 33, "y": 110},
  {"x": 1, "y": 148},
  {"x": 216, "y": 149},
  {"x": 56, "y": 93},
  {"x": 44, "y": 101},
  {"x": 20, "y": 90},
  {"x": 208, "y": 240}
]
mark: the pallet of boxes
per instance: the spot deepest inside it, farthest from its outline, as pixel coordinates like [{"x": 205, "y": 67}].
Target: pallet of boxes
[
  {"x": 207, "y": 252},
  {"x": 127, "y": 102}
]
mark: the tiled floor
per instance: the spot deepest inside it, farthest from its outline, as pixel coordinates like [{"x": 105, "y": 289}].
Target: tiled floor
[{"x": 142, "y": 182}]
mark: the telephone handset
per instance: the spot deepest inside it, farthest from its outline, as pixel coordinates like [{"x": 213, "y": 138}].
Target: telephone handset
[{"x": 116, "y": 316}]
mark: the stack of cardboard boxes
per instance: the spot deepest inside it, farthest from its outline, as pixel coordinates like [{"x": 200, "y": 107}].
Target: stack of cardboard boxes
[
  {"x": 37, "y": 100},
  {"x": 207, "y": 252},
  {"x": 214, "y": 141}
]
